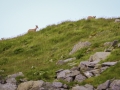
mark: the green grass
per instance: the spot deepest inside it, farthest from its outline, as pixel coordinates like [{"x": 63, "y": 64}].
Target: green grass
[{"x": 36, "y": 54}]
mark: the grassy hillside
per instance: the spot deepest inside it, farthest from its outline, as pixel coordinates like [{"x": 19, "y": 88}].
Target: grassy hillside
[{"x": 35, "y": 54}]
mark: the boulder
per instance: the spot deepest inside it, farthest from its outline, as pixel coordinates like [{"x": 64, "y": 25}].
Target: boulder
[
  {"x": 8, "y": 86},
  {"x": 98, "y": 56},
  {"x": 104, "y": 86},
  {"x": 57, "y": 84},
  {"x": 79, "y": 78},
  {"x": 79, "y": 45},
  {"x": 62, "y": 74},
  {"x": 115, "y": 85}
]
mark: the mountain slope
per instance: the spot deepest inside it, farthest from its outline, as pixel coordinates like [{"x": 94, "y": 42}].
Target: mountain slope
[{"x": 35, "y": 54}]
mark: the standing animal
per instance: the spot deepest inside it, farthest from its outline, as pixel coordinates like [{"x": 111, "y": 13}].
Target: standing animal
[
  {"x": 91, "y": 17},
  {"x": 117, "y": 20},
  {"x": 33, "y": 30}
]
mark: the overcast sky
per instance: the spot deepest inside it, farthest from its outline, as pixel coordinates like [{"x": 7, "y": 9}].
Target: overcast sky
[{"x": 17, "y": 16}]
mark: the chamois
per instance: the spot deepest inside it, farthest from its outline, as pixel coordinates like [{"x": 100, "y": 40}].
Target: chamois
[
  {"x": 91, "y": 17},
  {"x": 33, "y": 30}
]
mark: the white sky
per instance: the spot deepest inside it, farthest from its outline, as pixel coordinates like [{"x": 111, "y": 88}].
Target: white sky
[{"x": 17, "y": 16}]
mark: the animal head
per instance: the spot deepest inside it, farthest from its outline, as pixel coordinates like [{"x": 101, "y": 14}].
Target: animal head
[
  {"x": 36, "y": 26},
  {"x": 94, "y": 16}
]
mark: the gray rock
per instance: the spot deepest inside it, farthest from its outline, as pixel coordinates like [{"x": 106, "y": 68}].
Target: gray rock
[
  {"x": 65, "y": 86},
  {"x": 104, "y": 68},
  {"x": 69, "y": 79},
  {"x": 104, "y": 86},
  {"x": 57, "y": 84},
  {"x": 84, "y": 65},
  {"x": 115, "y": 85},
  {"x": 11, "y": 80},
  {"x": 79, "y": 45},
  {"x": 79, "y": 88},
  {"x": 86, "y": 87},
  {"x": 88, "y": 74},
  {"x": 62, "y": 74},
  {"x": 8, "y": 86},
  {"x": 79, "y": 78},
  {"x": 75, "y": 68},
  {"x": 99, "y": 56},
  {"x": 96, "y": 72},
  {"x": 89, "y": 87},
  {"x": 109, "y": 63},
  {"x": 74, "y": 73}
]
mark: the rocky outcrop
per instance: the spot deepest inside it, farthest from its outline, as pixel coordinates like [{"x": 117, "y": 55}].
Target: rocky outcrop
[{"x": 10, "y": 82}]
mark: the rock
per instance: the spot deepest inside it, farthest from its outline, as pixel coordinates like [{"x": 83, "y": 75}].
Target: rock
[
  {"x": 75, "y": 68},
  {"x": 57, "y": 84},
  {"x": 65, "y": 86},
  {"x": 84, "y": 65},
  {"x": 115, "y": 85},
  {"x": 86, "y": 87},
  {"x": 79, "y": 46},
  {"x": 46, "y": 85},
  {"x": 30, "y": 85},
  {"x": 103, "y": 68},
  {"x": 79, "y": 88},
  {"x": 62, "y": 74},
  {"x": 59, "y": 70},
  {"x": 109, "y": 63},
  {"x": 99, "y": 56},
  {"x": 96, "y": 72},
  {"x": 89, "y": 87},
  {"x": 8, "y": 86},
  {"x": 104, "y": 86},
  {"x": 74, "y": 73},
  {"x": 88, "y": 74},
  {"x": 69, "y": 79},
  {"x": 11, "y": 80},
  {"x": 79, "y": 78}
]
